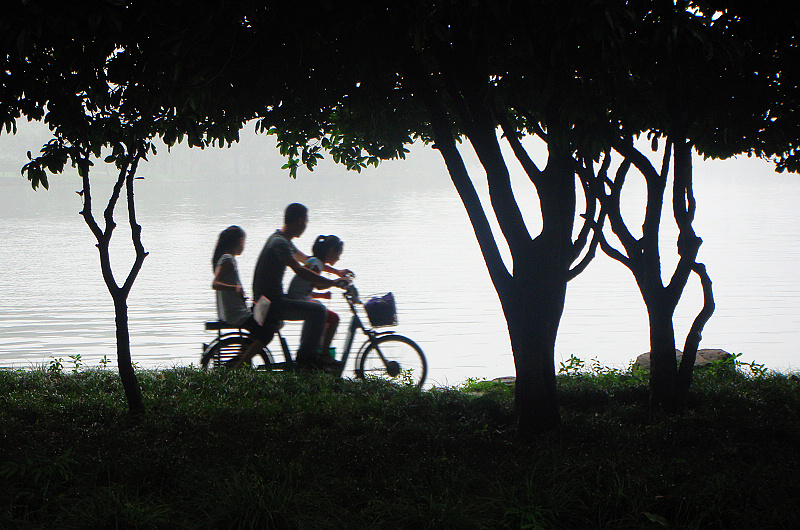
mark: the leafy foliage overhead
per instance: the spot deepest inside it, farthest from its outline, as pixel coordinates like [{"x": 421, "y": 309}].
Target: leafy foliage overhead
[{"x": 339, "y": 77}]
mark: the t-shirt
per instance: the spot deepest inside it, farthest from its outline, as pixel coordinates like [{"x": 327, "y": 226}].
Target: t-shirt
[
  {"x": 299, "y": 288},
  {"x": 231, "y": 306},
  {"x": 268, "y": 276}
]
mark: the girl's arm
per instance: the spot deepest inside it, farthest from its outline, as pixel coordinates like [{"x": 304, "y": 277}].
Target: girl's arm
[
  {"x": 302, "y": 258},
  {"x": 219, "y": 285},
  {"x": 338, "y": 272}
]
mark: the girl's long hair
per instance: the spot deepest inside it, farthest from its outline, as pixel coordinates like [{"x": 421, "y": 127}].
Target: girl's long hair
[
  {"x": 324, "y": 244},
  {"x": 228, "y": 239}
]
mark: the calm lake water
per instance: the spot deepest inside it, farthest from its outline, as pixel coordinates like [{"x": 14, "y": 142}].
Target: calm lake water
[{"x": 405, "y": 230}]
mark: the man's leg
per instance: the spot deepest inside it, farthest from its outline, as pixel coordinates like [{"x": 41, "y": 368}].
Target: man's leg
[
  {"x": 261, "y": 336},
  {"x": 313, "y": 316}
]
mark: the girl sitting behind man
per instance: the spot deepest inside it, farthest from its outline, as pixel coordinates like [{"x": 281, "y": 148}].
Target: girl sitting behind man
[{"x": 231, "y": 300}]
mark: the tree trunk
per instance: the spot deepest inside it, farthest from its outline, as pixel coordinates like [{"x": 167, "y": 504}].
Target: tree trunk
[
  {"x": 533, "y": 312},
  {"x": 534, "y": 304},
  {"x": 643, "y": 258},
  {"x": 663, "y": 360},
  {"x": 533, "y": 295},
  {"x": 130, "y": 383}
]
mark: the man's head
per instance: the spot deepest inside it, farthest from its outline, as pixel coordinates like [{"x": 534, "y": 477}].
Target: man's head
[{"x": 295, "y": 219}]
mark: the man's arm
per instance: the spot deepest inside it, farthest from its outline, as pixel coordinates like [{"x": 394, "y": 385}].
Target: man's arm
[
  {"x": 307, "y": 274},
  {"x": 302, "y": 258}
]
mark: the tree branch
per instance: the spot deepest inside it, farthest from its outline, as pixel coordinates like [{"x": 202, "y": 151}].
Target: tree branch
[
  {"x": 483, "y": 137},
  {"x": 86, "y": 195},
  {"x": 108, "y": 214},
  {"x": 612, "y": 252},
  {"x": 463, "y": 85},
  {"x": 103, "y": 237},
  {"x": 533, "y": 172},
  {"x": 532, "y": 123},
  {"x": 591, "y": 184},
  {"x": 683, "y": 202},
  {"x": 611, "y": 203},
  {"x": 445, "y": 142},
  {"x": 136, "y": 229},
  {"x": 592, "y": 191},
  {"x": 683, "y": 210},
  {"x": 696, "y": 331},
  {"x": 656, "y": 184},
  {"x": 504, "y": 204},
  {"x": 590, "y": 254}
]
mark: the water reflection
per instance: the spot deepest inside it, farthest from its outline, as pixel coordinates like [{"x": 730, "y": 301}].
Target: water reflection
[{"x": 400, "y": 235}]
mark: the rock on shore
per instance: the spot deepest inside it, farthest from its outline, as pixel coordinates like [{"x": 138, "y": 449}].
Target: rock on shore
[{"x": 704, "y": 358}]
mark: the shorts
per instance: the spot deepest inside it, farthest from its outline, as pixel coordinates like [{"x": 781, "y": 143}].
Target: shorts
[{"x": 262, "y": 333}]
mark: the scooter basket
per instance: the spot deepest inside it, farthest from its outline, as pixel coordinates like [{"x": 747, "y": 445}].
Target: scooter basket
[{"x": 381, "y": 310}]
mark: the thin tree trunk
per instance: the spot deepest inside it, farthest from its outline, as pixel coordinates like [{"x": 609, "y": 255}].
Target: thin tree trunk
[
  {"x": 127, "y": 171},
  {"x": 130, "y": 383},
  {"x": 668, "y": 388}
]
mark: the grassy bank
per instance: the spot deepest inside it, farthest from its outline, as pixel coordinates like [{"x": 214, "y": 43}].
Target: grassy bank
[{"x": 258, "y": 450}]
